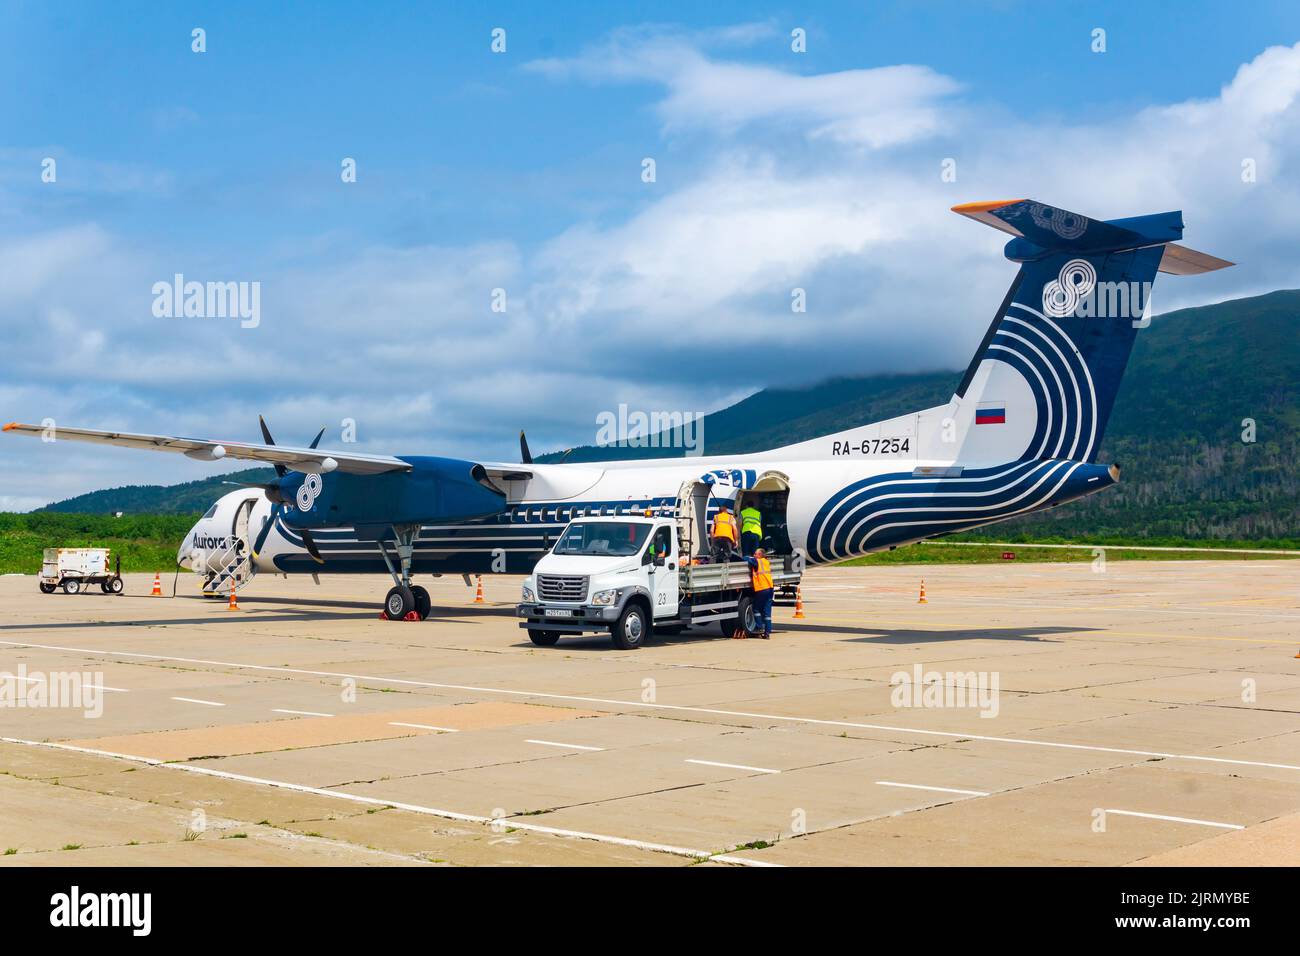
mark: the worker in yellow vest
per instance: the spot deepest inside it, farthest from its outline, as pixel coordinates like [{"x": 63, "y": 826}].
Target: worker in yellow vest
[
  {"x": 723, "y": 534},
  {"x": 751, "y": 529},
  {"x": 760, "y": 573}
]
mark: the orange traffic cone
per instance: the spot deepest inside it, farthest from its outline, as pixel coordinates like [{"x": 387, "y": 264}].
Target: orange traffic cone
[
  {"x": 478, "y": 595},
  {"x": 922, "y": 599},
  {"x": 798, "y": 604},
  {"x": 157, "y": 585},
  {"x": 233, "y": 605}
]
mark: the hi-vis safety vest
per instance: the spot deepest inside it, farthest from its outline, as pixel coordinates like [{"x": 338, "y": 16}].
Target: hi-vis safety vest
[
  {"x": 724, "y": 526},
  {"x": 751, "y": 520},
  {"x": 761, "y": 574}
]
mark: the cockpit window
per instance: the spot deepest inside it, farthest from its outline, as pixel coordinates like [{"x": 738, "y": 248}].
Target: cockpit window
[{"x": 210, "y": 513}]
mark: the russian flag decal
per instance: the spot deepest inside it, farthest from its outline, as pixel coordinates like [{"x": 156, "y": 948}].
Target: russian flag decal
[{"x": 991, "y": 415}]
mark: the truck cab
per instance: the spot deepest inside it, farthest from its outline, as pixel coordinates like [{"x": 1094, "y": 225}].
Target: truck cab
[{"x": 630, "y": 576}]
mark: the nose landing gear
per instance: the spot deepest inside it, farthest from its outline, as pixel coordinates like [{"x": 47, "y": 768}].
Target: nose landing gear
[{"x": 405, "y": 602}]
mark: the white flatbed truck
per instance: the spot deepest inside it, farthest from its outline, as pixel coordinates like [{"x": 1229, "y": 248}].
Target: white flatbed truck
[
  {"x": 75, "y": 569},
  {"x": 631, "y": 576}
]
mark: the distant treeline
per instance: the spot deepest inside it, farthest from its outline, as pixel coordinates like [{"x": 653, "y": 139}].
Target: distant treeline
[{"x": 145, "y": 542}]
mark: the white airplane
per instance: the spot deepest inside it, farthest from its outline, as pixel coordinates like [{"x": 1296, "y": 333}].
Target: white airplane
[{"x": 1021, "y": 433}]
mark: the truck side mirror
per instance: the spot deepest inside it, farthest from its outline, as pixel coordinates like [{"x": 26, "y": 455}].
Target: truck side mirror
[{"x": 660, "y": 560}]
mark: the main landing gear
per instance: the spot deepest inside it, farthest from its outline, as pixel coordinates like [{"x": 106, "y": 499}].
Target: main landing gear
[{"x": 406, "y": 601}]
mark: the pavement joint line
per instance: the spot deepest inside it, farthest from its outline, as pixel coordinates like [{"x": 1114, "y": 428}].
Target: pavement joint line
[
  {"x": 730, "y": 766},
  {"x": 918, "y": 786},
  {"x": 679, "y": 708},
  {"x": 1161, "y": 816},
  {"x": 300, "y": 713},
  {"x": 555, "y": 743},
  {"x": 513, "y": 823},
  {"x": 444, "y": 730},
  {"x": 195, "y": 700}
]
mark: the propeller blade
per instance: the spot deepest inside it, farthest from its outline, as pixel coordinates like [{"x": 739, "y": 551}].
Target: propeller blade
[
  {"x": 266, "y": 529},
  {"x": 266, "y": 436},
  {"x": 310, "y": 542},
  {"x": 319, "y": 435},
  {"x": 525, "y": 455}
]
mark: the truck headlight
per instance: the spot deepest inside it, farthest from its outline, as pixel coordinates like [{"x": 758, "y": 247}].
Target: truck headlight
[
  {"x": 605, "y": 598},
  {"x": 529, "y": 596}
]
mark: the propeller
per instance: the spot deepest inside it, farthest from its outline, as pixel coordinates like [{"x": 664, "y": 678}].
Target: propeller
[
  {"x": 525, "y": 455},
  {"x": 266, "y": 437},
  {"x": 274, "y": 495}
]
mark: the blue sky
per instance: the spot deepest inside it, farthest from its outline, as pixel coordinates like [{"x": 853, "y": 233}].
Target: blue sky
[{"x": 522, "y": 171}]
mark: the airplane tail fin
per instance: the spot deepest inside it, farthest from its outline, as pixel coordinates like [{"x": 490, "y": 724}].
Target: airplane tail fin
[{"x": 1044, "y": 379}]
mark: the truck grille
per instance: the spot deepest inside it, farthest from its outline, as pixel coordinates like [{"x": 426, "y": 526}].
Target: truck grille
[{"x": 562, "y": 587}]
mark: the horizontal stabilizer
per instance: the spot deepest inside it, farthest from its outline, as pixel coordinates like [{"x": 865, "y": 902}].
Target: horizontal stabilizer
[
  {"x": 1039, "y": 229},
  {"x": 1181, "y": 261}
]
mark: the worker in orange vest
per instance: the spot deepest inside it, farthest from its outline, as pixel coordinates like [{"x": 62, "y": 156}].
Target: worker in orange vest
[
  {"x": 760, "y": 572},
  {"x": 724, "y": 534}
]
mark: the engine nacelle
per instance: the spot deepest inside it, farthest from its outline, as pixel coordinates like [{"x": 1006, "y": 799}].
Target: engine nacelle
[{"x": 434, "y": 490}]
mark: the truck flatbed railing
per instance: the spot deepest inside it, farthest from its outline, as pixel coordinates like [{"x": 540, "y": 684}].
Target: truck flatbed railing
[{"x": 725, "y": 576}]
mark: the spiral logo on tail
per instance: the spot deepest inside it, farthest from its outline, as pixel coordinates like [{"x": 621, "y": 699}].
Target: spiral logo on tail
[
  {"x": 1061, "y": 296},
  {"x": 309, "y": 491}
]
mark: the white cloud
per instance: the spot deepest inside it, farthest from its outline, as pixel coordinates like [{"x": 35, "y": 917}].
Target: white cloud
[{"x": 875, "y": 108}]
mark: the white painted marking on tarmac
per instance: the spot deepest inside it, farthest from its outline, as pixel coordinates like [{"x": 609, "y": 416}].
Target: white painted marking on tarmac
[
  {"x": 443, "y": 730},
  {"x": 513, "y": 822},
  {"x": 676, "y": 708},
  {"x": 195, "y": 700},
  {"x": 119, "y": 690},
  {"x": 1160, "y": 816},
  {"x": 918, "y": 786},
  {"x": 731, "y": 766},
  {"x": 554, "y": 743},
  {"x": 300, "y": 713}
]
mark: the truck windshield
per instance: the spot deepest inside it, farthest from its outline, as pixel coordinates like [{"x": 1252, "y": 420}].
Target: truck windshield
[{"x": 613, "y": 538}]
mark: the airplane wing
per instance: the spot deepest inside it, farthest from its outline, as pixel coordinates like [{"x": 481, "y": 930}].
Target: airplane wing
[{"x": 202, "y": 449}]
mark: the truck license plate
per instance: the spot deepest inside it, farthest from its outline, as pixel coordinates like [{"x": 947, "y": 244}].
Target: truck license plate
[{"x": 558, "y": 612}]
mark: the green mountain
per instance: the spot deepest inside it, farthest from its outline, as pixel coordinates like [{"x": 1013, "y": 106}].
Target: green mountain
[
  {"x": 193, "y": 497},
  {"x": 1176, "y": 430}
]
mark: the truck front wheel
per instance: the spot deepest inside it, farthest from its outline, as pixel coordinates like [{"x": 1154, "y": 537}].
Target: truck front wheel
[
  {"x": 745, "y": 616},
  {"x": 631, "y": 628},
  {"x": 543, "y": 638}
]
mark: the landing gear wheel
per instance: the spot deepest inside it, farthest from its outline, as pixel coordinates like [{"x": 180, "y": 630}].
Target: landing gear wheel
[
  {"x": 115, "y": 585},
  {"x": 46, "y": 588},
  {"x": 631, "y": 628},
  {"x": 543, "y": 638},
  {"x": 71, "y": 586},
  {"x": 423, "y": 603},
  {"x": 399, "y": 603}
]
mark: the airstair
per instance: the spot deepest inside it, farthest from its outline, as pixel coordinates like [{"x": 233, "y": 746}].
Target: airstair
[{"x": 235, "y": 564}]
